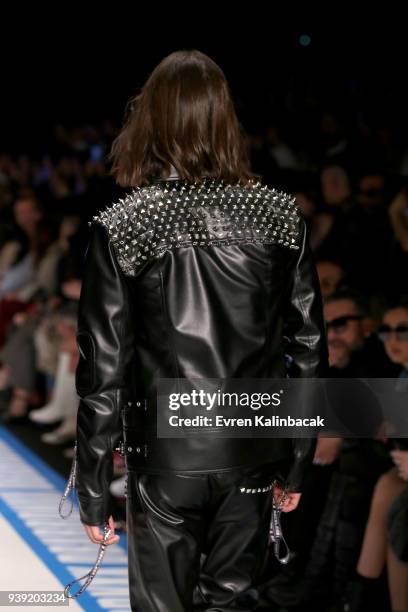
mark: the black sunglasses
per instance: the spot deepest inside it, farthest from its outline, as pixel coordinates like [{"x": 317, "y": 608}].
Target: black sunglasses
[
  {"x": 340, "y": 323},
  {"x": 401, "y": 332}
]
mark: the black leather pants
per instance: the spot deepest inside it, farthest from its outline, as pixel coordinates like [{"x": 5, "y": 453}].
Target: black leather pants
[{"x": 196, "y": 542}]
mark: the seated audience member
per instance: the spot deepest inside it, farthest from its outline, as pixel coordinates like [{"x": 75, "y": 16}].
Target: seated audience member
[
  {"x": 331, "y": 276},
  {"x": 326, "y": 536},
  {"x": 386, "y": 535}
]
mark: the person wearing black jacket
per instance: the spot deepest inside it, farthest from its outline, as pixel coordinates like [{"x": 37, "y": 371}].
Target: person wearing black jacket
[{"x": 199, "y": 272}]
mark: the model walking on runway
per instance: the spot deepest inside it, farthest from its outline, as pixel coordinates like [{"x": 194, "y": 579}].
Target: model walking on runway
[{"x": 199, "y": 272}]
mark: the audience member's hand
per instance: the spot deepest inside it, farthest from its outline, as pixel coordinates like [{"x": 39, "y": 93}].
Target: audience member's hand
[
  {"x": 327, "y": 450},
  {"x": 400, "y": 458}
]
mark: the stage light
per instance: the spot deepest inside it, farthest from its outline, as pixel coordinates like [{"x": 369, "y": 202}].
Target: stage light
[{"x": 305, "y": 40}]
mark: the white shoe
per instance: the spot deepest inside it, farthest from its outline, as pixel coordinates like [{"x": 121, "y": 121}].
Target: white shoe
[
  {"x": 64, "y": 400},
  {"x": 66, "y": 432},
  {"x": 118, "y": 487},
  {"x": 49, "y": 413}
]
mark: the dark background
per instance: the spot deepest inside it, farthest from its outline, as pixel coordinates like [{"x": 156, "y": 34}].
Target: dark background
[{"x": 71, "y": 69}]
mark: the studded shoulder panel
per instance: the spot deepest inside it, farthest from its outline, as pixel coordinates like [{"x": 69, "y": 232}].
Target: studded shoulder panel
[{"x": 171, "y": 214}]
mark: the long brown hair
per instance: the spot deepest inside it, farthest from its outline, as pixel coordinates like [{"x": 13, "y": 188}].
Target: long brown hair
[{"x": 183, "y": 116}]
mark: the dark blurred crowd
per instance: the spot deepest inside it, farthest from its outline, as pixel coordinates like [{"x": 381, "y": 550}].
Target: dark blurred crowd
[{"x": 349, "y": 536}]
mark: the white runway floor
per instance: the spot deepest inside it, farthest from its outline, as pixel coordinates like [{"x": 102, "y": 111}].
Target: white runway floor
[{"x": 39, "y": 550}]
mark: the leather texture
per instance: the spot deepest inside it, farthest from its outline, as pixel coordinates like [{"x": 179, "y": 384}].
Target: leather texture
[
  {"x": 226, "y": 287},
  {"x": 196, "y": 542}
]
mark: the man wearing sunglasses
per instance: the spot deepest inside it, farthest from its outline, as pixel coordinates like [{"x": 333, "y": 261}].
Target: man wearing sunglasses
[
  {"x": 353, "y": 349},
  {"x": 345, "y": 329},
  {"x": 347, "y": 469}
]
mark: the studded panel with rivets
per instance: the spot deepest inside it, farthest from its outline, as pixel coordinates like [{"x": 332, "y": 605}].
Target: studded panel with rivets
[{"x": 171, "y": 214}]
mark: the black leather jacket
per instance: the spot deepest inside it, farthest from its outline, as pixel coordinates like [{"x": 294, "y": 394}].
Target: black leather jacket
[{"x": 203, "y": 280}]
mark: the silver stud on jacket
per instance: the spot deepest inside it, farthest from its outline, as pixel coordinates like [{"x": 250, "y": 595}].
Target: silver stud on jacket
[
  {"x": 259, "y": 490},
  {"x": 172, "y": 214}
]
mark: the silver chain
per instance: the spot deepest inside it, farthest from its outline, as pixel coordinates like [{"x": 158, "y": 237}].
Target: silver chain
[
  {"x": 106, "y": 532},
  {"x": 275, "y": 530},
  {"x": 70, "y": 485},
  {"x": 89, "y": 576}
]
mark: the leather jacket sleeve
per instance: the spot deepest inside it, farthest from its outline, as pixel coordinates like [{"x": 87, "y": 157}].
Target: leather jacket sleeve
[
  {"x": 305, "y": 330},
  {"x": 105, "y": 341}
]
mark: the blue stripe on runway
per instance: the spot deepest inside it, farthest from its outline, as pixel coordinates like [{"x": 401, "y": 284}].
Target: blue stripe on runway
[
  {"x": 46, "y": 556},
  {"x": 42, "y": 467},
  {"x": 86, "y": 599},
  {"x": 36, "y": 462}
]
